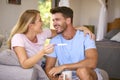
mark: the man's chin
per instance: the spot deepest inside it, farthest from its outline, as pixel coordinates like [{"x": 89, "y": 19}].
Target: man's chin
[{"x": 59, "y": 32}]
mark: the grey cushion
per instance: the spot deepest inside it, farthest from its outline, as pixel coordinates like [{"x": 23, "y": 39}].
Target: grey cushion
[
  {"x": 8, "y": 57},
  {"x": 116, "y": 37},
  {"x": 16, "y": 73},
  {"x": 110, "y": 34},
  {"x": 104, "y": 74}
]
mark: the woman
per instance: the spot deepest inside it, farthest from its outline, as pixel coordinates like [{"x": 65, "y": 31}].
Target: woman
[{"x": 27, "y": 39}]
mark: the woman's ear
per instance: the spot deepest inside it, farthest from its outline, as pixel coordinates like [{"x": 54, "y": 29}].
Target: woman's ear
[{"x": 30, "y": 25}]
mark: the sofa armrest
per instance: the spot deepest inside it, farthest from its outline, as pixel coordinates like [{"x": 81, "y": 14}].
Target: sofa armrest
[{"x": 15, "y": 73}]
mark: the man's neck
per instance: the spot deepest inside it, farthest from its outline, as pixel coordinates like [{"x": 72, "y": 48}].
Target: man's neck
[{"x": 69, "y": 33}]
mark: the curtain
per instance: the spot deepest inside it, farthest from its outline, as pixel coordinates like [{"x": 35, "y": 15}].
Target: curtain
[
  {"x": 64, "y": 3},
  {"x": 102, "y": 24}
]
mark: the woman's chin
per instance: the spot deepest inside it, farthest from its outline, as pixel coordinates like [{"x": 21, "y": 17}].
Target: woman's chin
[{"x": 39, "y": 32}]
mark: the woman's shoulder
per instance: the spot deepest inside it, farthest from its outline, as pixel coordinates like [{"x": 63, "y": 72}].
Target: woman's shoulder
[{"x": 18, "y": 35}]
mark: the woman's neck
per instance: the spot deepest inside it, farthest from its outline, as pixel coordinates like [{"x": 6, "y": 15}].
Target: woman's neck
[{"x": 32, "y": 37}]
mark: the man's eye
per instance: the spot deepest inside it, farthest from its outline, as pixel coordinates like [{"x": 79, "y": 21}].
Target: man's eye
[{"x": 40, "y": 20}]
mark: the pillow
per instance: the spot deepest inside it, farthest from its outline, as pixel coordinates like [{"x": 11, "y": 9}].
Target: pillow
[
  {"x": 110, "y": 34},
  {"x": 8, "y": 57},
  {"x": 116, "y": 37}
]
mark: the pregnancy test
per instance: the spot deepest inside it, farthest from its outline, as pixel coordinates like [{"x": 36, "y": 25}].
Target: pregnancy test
[{"x": 61, "y": 44}]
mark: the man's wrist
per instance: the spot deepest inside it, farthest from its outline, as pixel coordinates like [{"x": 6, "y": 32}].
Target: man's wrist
[{"x": 64, "y": 67}]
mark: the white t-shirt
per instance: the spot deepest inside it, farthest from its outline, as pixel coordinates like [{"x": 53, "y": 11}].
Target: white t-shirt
[{"x": 30, "y": 47}]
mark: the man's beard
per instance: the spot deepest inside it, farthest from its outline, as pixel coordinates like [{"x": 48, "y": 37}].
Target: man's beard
[
  {"x": 64, "y": 27},
  {"x": 60, "y": 32}
]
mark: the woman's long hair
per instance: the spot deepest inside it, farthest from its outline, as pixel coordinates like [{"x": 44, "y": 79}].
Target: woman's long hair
[{"x": 28, "y": 17}]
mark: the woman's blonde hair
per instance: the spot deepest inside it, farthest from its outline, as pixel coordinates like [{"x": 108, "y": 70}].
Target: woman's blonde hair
[{"x": 28, "y": 17}]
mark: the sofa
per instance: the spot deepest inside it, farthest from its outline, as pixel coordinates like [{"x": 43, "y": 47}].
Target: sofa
[
  {"x": 109, "y": 53},
  {"x": 10, "y": 68}
]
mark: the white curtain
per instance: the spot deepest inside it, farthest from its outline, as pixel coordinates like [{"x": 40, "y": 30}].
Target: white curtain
[
  {"x": 64, "y": 3},
  {"x": 102, "y": 24}
]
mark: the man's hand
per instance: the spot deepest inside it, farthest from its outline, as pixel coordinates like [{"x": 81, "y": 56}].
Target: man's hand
[
  {"x": 61, "y": 77},
  {"x": 56, "y": 70}
]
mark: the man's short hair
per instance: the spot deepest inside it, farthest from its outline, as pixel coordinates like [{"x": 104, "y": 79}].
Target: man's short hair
[{"x": 66, "y": 11}]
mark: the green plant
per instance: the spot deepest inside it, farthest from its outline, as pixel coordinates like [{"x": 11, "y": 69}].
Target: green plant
[{"x": 44, "y": 7}]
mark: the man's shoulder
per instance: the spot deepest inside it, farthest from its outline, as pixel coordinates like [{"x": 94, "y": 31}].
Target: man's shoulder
[
  {"x": 57, "y": 37},
  {"x": 82, "y": 34}
]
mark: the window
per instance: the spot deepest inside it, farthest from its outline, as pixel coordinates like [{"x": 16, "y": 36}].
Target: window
[{"x": 44, "y": 8}]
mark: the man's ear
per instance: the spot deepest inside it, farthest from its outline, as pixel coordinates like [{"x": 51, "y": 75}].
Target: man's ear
[{"x": 68, "y": 20}]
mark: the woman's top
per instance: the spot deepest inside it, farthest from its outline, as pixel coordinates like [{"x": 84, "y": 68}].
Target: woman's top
[{"x": 30, "y": 47}]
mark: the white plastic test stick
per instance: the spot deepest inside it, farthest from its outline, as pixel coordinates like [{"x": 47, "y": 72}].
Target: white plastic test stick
[{"x": 61, "y": 44}]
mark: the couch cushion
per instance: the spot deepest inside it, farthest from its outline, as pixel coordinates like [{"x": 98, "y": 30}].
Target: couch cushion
[
  {"x": 16, "y": 73},
  {"x": 110, "y": 34},
  {"x": 116, "y": 37},
  {"x": 8, "y": 57}
]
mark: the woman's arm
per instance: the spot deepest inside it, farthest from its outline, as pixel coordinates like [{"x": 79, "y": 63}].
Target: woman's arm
[
  {"x": 84, "y": 29},
  {"x": 54, "y": 33},
  {"x": 28, "y": 62}
]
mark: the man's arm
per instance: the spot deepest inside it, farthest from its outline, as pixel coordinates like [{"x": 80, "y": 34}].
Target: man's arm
[
  {"x": 90, "y": 61},
  {"x": 50, "y": 63}
]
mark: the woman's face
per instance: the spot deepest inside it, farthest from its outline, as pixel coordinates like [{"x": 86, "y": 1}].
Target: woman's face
[{"x": 37, "y": 26}]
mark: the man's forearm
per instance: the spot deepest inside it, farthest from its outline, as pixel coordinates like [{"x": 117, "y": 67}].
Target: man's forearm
[
  {"x": 49, "y": 76},
  {"x": 83, "y": 63}
]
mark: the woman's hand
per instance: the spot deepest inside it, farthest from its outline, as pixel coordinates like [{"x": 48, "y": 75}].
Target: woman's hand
[
  {"x": 86, "y": 31},
  {"x": 48, "y": 49}
]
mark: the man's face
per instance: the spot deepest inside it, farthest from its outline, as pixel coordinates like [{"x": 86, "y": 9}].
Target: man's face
[{"x": 59, "y": 22}]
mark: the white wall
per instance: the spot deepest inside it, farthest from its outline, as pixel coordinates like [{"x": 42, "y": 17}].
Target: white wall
[
  {"x": 9, "y": 13},
  {"x": 113, "y": 10},
  {"x": 86, "y": 12}
]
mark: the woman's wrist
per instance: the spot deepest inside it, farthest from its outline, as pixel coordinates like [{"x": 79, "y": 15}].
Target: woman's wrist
[{"x": 42, "y": 52}]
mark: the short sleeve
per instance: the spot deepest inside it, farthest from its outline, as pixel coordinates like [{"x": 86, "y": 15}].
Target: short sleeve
[
  {"x": 17, "y": 40},
  {"x": 89, "y": 43}
]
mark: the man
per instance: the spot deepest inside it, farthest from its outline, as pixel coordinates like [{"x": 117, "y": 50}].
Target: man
[{"x": 77, "y": 53}]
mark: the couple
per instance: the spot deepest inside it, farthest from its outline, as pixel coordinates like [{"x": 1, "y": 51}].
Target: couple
[{"x": 79, "y": 54}]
